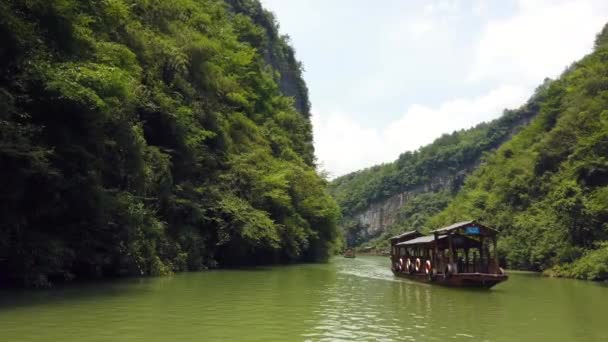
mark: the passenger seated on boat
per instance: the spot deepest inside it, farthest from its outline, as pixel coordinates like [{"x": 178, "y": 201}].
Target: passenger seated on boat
[
  {"x": 475, "y": 267},
  {"x": 460, "y": 265},
  {"x": 445, "y": 260}
]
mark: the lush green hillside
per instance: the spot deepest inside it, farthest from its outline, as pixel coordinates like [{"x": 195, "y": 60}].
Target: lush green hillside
[
  {"x": 450, "y": 156},
  {"x": 547, "y": 188},
  {"x": 148, "y": 136}
]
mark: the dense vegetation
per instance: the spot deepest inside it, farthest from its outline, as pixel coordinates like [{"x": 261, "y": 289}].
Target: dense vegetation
[
  {"x": 150, "y": 136},
  {"x": 547, "y": 188},
  {"x": 451, "y": 156},
  {"x": 448, "y": 155}
]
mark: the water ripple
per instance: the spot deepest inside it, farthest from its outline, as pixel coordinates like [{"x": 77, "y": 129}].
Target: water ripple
[{"x": 346, "y": 300}]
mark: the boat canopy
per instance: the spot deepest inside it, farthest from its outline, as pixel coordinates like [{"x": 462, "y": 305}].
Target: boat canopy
[
  {"x": 419, "y": 240},
  {"x": 466, "y": 228},
  {"x": 458, "y": 241},
  {"x": 405, "y": 237},
  {"x": 406, "y": 234}
]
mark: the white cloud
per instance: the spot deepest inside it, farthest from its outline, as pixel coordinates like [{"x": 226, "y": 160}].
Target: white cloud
[
  {"x": 480, "y": 7},
  {"x": 343, "y": 145},
  {"x": 419, "y": 27},
  {"x": 442, "y": 6},
  {"x": 448, "y": 6},
  {"x": 539, "y": 41},
  {"x": 432, "y": 58}
]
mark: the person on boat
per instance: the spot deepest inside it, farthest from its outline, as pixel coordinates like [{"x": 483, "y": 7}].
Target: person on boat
[{"x": 460, "y": 264}]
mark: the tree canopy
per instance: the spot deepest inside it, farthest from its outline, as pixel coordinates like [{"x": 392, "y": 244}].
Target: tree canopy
[
  {"x": 432, "y": 174},
  {"x": 449, "y": 154},
  {"x": 149, "y": 137},
  {"x": 547, "y": 188}
]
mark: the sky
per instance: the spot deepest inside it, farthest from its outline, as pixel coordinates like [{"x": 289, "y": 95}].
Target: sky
[{"x": 390, "y": 76}]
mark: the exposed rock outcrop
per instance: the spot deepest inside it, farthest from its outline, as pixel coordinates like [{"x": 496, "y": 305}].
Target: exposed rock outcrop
[{"x": 383, "y": 214}]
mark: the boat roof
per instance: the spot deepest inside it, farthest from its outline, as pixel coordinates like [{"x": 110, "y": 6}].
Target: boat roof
[
  {"x": 420, "y": 240},
  {"x": 457, "y": 240},
  {"x": 462, "y": 224},
  {"x": 452, "y": 226},
  {"x": 402, "y": 235}
]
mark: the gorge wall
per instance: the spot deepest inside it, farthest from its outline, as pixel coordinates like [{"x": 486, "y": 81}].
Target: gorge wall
[
  {"x": 382, "y": 215},
  {"x": 159, "y": 137}
]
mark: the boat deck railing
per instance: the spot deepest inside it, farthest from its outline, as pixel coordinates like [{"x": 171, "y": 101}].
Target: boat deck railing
[{"x": 486, "y": 266}]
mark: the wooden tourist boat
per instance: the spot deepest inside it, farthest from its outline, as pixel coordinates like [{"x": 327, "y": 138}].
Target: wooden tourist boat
[
  {"x": 461, "y": 255},
  {"x": 349, "y": 253}
]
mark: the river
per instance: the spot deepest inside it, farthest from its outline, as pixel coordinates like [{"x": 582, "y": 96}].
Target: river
[{"x": 346, "y": 299}]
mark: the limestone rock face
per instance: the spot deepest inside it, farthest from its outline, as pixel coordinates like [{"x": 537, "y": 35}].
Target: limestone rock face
[{"x": 383, "y": 214}]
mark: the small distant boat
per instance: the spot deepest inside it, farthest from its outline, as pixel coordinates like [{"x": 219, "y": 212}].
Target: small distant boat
[
  {"x": 349, "y": 253},
  {"x": 461, "y": 255}
]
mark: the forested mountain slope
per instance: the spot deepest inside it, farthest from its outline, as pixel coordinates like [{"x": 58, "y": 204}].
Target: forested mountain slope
[
  {"x": 385, "y": 199},
  {"x": 547, "y": 188},
  {"x": 148, "y": 136}
]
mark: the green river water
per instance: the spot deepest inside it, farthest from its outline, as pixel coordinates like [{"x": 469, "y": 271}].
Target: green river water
[{"x": 346, "y": 299}]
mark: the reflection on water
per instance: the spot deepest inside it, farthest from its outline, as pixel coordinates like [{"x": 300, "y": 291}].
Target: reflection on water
[
  {"x": 368, "y": 303},
  {"x": 356, "y": 308},
  {"x": 347, "y": 299}
]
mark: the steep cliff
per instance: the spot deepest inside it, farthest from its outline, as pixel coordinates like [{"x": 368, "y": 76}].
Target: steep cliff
[
  {"x": 277, "y": 52},
  {"x": 384, "y": 214},
  {"x": 149, "y": 137}
]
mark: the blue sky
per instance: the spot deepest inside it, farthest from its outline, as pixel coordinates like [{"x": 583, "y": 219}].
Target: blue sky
[{"x": 389, "y": 76}]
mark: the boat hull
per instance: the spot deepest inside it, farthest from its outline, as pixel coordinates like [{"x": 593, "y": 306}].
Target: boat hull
[{"x": 467, "y": 280}]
